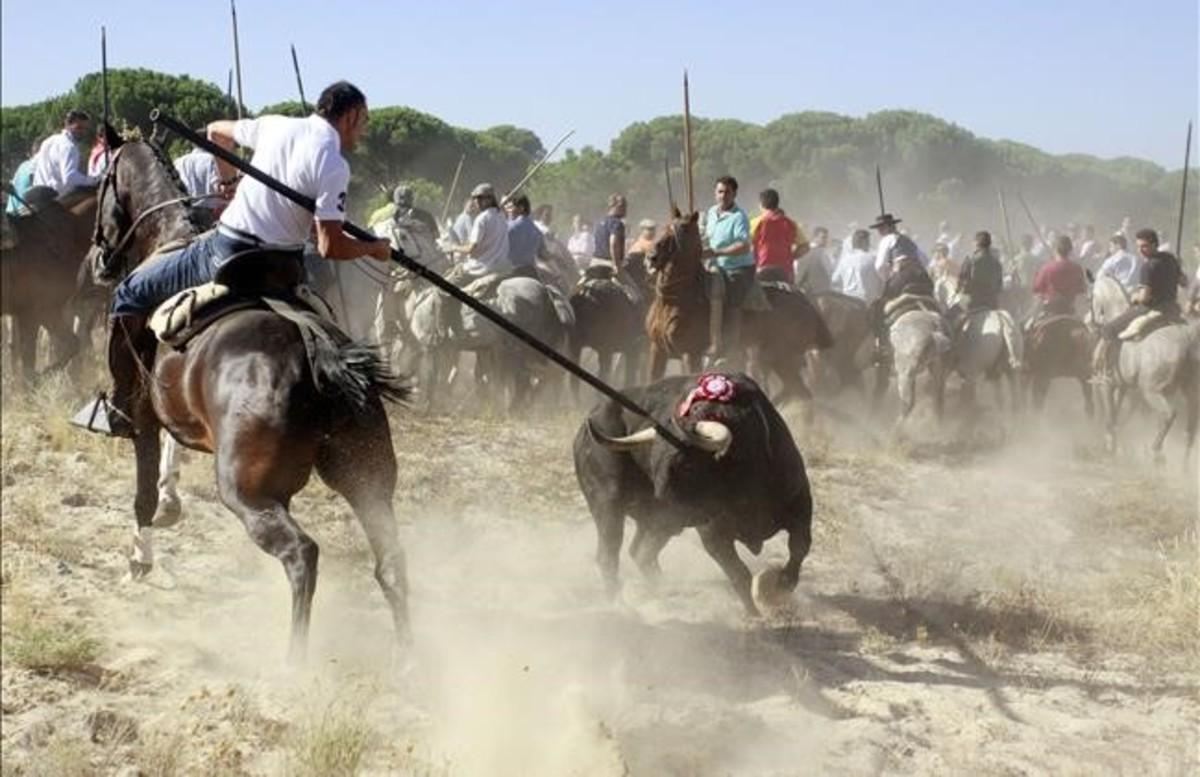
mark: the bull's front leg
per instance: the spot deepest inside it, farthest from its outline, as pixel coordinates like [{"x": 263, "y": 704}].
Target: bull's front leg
[{"x": 720, "y": 546}]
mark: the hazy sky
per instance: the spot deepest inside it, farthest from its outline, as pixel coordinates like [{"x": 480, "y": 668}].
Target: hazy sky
[{"x": 1110, "y": 79}]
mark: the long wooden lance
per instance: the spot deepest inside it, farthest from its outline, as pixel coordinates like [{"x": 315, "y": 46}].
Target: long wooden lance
[
  {"x": 453, "y": 188},
  {"x": 1009, "y": 245},
  {"x": 1037, "y": 230},
  {"x": 545, "y": 158},
  {"x": 1187, "y": 157},
  {"x": 687, "y": 145},
  {"x": 237, "y": 57},
  {"x": 879, "y": 188},
  {"x": 105, "y": 131},
  {"x": 229, "y": 87},
  {"x": 670, "y": 194},
  {"x": 669, "y": 435},
  {"x": 299, "y": 81}
]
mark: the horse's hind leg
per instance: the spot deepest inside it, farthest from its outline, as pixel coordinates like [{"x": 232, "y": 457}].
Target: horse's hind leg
[
  {"x": 262, "y": 506},
  {"x": 1159, "y": 403},
  {"x": 169, "y": 509},
  {"x": 359, "y": 464}
]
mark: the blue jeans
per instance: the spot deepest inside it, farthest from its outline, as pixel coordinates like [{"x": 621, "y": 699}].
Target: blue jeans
[{"x": 149, "y": 286}]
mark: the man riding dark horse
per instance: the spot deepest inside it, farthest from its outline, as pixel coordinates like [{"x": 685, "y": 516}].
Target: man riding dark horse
[
  {"x": 262, "y": 229},
  {"x": 981, "y": 278},
  {"x": 1159, "y": 279},
  {"x": 1058, "y": 283}
]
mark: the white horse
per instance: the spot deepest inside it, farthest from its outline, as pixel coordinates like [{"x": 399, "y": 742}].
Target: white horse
[
  {"x": 1162, "y": 364},
  {"x": 919, "y": 343}
]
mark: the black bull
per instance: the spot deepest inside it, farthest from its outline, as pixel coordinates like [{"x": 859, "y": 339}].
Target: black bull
[{"x": 742, "y": 480}]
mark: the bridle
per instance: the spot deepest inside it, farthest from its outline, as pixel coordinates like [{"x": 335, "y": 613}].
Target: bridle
[{"x": 113, "y": 262}]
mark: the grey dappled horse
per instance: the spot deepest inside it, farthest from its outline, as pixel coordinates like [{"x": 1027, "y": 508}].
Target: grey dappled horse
[
  {"x": 1164, "y": 363},
  {"x": 989, "y": 345}
]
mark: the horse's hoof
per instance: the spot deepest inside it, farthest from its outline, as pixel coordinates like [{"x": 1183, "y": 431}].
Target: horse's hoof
[
  {"x": 139, "y": 570},
  {"x": 168, "y": 513}
]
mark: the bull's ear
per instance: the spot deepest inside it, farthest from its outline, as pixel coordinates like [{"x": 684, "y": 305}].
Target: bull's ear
[
  {"x": 675, "y": 213},
  {"x": 694, "y": 217}
]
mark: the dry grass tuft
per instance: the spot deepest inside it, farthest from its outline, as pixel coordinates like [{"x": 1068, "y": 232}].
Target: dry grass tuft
[
  {"x": 42, "y": 641},
  {"x": 334, "y": 744}
]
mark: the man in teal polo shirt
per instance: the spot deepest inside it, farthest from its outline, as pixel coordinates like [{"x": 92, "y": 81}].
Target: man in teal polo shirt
[{"x": 731, "y": 256}]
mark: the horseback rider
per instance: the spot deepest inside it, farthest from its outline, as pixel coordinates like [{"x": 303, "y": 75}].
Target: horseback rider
[
  {"x": 486, "y": 248},
  {"x": 304, "y": 153},
  {"x": 893, "y": 245},
  {"x": 608, "y": 236},
  {"x": 778, "y": 241},
  {"x": 980, "y": 281},
  {"x": 22, "y": 182},
  {"x": 907, "y": 277},
  {"x": 1121, "y": 265},
  {"x": 1057, "y": 284},
  {"x": 526, "y": 244},
  {"x": 402, "y": 198},
  {"x": 1159, "y": 281},
  {"x": 731, "y": 259},
  {"x": 58, "y": 164}
]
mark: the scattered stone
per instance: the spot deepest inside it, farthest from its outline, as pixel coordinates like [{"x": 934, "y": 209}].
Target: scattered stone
[{"x": 109, "y": 726}]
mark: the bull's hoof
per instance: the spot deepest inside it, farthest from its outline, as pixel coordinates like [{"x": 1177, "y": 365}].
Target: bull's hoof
[
  {"x": 168, "y": 513},
  {"x": 139, "y": 570},
  {"x": 768, "y": 589}
]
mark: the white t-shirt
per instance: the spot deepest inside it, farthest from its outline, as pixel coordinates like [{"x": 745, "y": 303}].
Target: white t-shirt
[
  {"x": 886, "y": 253},
  {"x": 305, "y": 154},
  {"x": 855, "y": 275},
  {"x": 58, "y": 166},
  {"x": 199, "y": 172},
  {"x": 490, "y": 234}
]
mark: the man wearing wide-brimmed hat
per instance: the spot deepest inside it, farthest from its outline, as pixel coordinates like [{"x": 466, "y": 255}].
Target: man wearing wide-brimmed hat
[{"x": 893, "y": 246}]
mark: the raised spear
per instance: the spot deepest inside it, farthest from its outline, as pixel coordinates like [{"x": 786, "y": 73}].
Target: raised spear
[
  {"x": 1037, "y": 230},
  {"x": 670, "y": 194},
  {"x": 687, "y": 145},
  {"x": 299, "y": 81},
  {"x": 1009, "y": 245},
  {"x": 104, "y": 92},
  {"x": 1187, "y": 156},
  {"x": 545, "y": 158},
  {"x": 237, "y": 57},
  {"x": 450, "y": 193},
  {"x": 879, "y": 188}
]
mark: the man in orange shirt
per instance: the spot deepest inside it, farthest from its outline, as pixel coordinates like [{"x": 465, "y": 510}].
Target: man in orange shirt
[{"x": 777, "y": 241}]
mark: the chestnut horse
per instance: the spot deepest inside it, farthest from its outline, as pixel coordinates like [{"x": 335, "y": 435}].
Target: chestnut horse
[
  {"x": 677, "y": 322},
  {"x": 243, "y": 389}
]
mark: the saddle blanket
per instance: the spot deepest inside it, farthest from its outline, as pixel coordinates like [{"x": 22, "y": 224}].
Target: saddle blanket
[{"x": 185, "y": 315}]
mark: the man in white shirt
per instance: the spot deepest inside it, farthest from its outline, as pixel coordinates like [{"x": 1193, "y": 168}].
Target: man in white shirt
[
  {"x": 486, "y": 249},
  {"x": 581, "y": 245},
  {"x": 855, "y": 273},
  {"x": 1089, "y": 250},
  {"x": 305, "y": 154},
  {"x": 945, "y": 238},
  {"x": 1121, "y": 265},
  {"x": 58, "y": 163},
  {"x": 201, "y": 176},
  {"x": 893, "y": 246}
]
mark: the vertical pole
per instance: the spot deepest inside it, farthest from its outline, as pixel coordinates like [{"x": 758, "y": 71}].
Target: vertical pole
[
  {"x": 1187, "y": 156},
  {"x": 237, "y": 57},
  {"x": 453, "y": 187},
  {"x": 687, "y": 146},
  {"x": 879, "y": 188},
  {"x": 104, "y": 91},
  {"x": 299, "y": 81}
]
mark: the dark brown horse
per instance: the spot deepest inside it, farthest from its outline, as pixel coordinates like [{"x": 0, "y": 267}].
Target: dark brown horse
[
  {"x": 848, "y": 321},
  {"x": 243, "y": 390},
  {"x": 40, "y": 260},
  {"x": 677, "y": 322},
  {"x": 1059, "y": 347},
  {"x": 608, "y": 320}
]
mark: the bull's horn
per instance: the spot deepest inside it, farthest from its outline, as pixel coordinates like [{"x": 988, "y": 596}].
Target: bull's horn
[
  {"x": 712, "y": 436},
  {"x": 626, "y": 443}
]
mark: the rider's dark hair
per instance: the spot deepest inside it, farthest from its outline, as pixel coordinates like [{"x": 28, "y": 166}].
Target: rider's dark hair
[
  {"x": 520, "y": 203},
  {"x": 338, "y": 99},
  {"x": 729, "y": 182},
  {"x": 768, "y": 198},
  {"x": 861, "y": 239},
  {"x": 983, "y": 239},
  {"x": 75, "y": 115},
  {"x": 1063, "y": 246},
  {"x": 1149, "y": 235},
  {"x": 1119, "y": 240}
]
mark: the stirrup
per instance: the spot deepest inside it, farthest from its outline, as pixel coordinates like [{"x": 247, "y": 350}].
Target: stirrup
[{"x": 98, "y": 416}]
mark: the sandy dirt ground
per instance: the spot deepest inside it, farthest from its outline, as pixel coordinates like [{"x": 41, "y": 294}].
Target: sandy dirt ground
[{"x": 995, "y": 601}]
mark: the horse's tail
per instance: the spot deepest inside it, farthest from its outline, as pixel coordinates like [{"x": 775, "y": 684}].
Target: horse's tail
[{"x": 350, "y": 374}]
